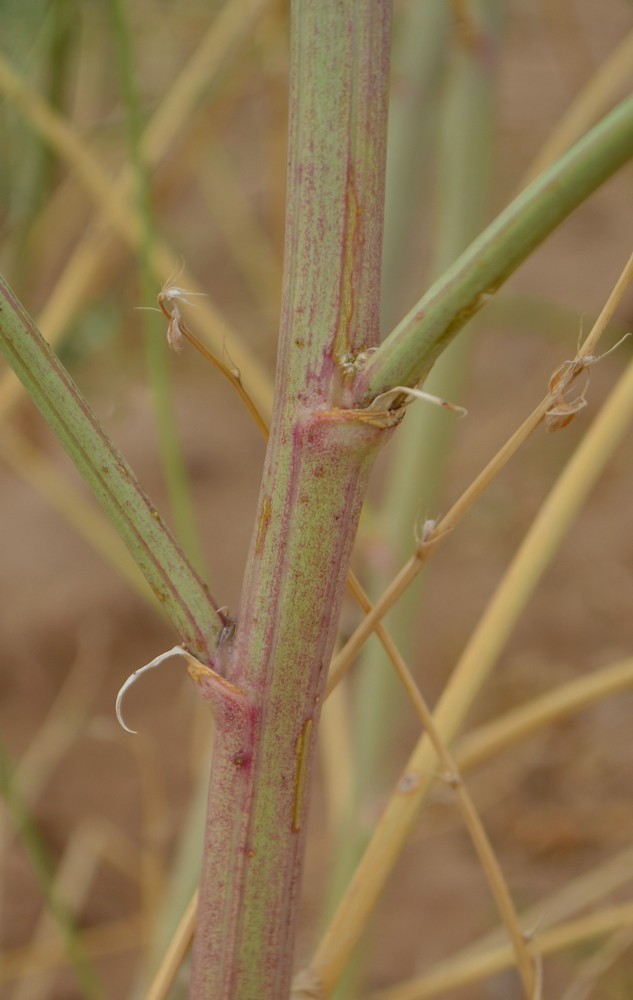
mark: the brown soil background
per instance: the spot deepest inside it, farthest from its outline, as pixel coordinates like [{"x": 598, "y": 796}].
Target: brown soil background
[{"x": 557, "y": 804}]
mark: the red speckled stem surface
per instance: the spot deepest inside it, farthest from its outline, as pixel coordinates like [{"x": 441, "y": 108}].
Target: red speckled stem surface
[{"x": 314, "y": 482}]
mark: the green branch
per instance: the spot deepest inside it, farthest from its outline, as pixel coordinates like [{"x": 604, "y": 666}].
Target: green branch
[
  {"x": 157, "y": 352},
  {"x": 408, "y": 353},
  {"x": 179, "y": 591}
]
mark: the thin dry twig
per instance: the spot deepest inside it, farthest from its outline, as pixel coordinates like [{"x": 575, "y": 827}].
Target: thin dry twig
[
  {"x": 584, "y": 891},
  {"x": 106, "y": 939},
  {"x": 475, "y": 967},
  {"x": 490, "y": 738},
  {"x": 433, "y": 534},
  {"x": 594, "y": 968},
  {"x": 168, "y": 300},
  {"x": 475, "y": 664},
  {"x": 175, "y": 954},
  {"x": 88, "y": 846},
  {"x": 226, "y": 32},
  {"x": 449, "y": 773},
  {"x": 587, "y": 107}
]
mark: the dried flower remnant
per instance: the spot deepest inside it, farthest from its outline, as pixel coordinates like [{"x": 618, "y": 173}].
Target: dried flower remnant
[
  {"x": 169, "y": 298},
  {"x": 561, "y": 412}
]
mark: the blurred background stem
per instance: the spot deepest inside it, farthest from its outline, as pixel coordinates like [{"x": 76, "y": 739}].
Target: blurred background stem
[
  {"x": 156, "y": 348},
  {"x": 439, "y": 61}
]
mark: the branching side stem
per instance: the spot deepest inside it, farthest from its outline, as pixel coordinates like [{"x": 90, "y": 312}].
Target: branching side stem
[{"x": 175, "y": 584}]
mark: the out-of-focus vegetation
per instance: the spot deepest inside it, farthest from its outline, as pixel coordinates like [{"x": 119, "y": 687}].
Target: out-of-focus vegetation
[{"x": 101, "y": 835}]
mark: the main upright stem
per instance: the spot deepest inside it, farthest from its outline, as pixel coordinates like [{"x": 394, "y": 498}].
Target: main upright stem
[{"x": 314, "y": 481}]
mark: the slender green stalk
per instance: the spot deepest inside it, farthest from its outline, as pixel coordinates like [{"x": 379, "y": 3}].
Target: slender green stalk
[
  {"x": 315, "y": 475},
  {"x": 203, "y": 70},
  {"x": 50, "y": 60},
  {"x": 421, "y": 36},
  {"x": 156, "y": 348},
  {"x": 43, "y": 869},
  {"x": 177, "y": 587},
  {"x": 321, "y": 450},
  {"x": 408, "y": 353},
  {"x": 422, "y": 445}
]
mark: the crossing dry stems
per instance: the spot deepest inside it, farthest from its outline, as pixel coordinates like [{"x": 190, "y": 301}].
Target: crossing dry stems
[{"x": 542, "y": 712}]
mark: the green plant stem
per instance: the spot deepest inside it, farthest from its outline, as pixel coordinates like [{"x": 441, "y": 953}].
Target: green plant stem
[
  {"x": 315, "y": 475},
  {"x": 178, "y": 589},
  {"x": 422, "y": 444},
  {"x": 421, "y": 34},
  {"x": 408, "y": 353},
  {"x": 227, "y": 32},
  {"x": 156, "y": 348},
  {"x": 424, "y": 441}
]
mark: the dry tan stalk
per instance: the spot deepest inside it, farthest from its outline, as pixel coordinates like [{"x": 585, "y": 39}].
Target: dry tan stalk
[
  {"x": 488, "y": 739},
  {"x": 223, "y": 35},
  {"x": 474, "y": 968},
  {"x": 597, "y": 965},
  {"x": 450, "y": 774},
  {"x": 589, "y": 104},
  {"x": 581, "y": 893},
  {"x": 106, "y": 939},
  {"x": 73, "y": 880},
  {"x": 336, "y": 756},
  {"x": 65, "y": 140},
  {"x": 434, "y": 534},
  {"x": 231, "y": 26},
  {"x": 175, "y": 953},
  {"x": 472, "y": 670},
  {"x": 36, "y": 468}
]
